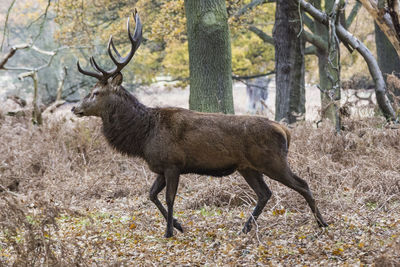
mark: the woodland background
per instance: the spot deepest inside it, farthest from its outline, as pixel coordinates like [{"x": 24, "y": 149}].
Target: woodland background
[{"x": 66, "y": 198}]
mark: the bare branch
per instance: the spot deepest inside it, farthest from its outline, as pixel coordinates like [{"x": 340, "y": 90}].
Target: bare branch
[
  {"x": 265, "y": 37},
  {"x": 251, "y": 5},
  {"x": 353, "y": 14},
  {"x": 316, "y": 40},
  {"x": 310, "y": 50},
  {"x": 37, "y": 49},
  {"x": 11, "y": 53},
  {"x": 237, "y": 77},
  {"x": 6, "y": 24},
  {"x": 26, "y": 74},
  {"x": 52, "y": 54},
  {"x": 347, "y": 37},
  {"x": 309, "y": 37},
  {"x": 44, "y": 15},
  {"x": 309, "y": 22}
]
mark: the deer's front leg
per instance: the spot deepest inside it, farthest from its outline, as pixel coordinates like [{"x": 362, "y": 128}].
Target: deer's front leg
[
  {"x": 172, "y": 180},
  {"x": 156, "y": 188}
]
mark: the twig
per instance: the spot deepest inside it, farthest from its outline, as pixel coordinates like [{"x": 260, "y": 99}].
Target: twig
[
  {"x": 301, "y": 20},
  {"x": 256, "y": 224},
  {"x": 237, "y": 77},
  {"x": 6, "y": 24},
  {"x": 44, "y": 15}
]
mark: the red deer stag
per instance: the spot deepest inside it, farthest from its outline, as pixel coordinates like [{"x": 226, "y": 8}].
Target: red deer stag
[{"x": 175, "y": 141}]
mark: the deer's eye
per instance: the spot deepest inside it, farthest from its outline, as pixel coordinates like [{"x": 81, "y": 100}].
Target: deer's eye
[{"x": 95, "y": 93}]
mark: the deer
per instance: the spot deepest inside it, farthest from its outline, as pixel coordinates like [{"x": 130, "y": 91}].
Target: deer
[{"x": 175, "y": 141}]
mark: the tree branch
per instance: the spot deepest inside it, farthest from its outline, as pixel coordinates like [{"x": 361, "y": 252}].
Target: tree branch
[
  {"x": 237, "y": 77},
  {"x": 43, "y": 21},
  {"x": 265, "y": 37},
  {"x": 347, "y": 37},
  {"x": 10, "y": 54},
  {"x": 309, "y": 37},
  {"x": 6, "y": 24},
  {"x": 310, "y": 50},
  {"x": 353, "y": 14},
  {"x": 316, "y": 40},
  {"x": 308, "y": 22},
  {"x": 251, "y": 5}
]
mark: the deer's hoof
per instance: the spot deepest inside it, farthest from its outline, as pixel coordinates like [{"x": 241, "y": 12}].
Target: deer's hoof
[
  {"x": 169, "y": 234},
  {"x": 178, "y": 226},
  {"x": 246, "y": 228},
  {"x": 322, "y": 224}
]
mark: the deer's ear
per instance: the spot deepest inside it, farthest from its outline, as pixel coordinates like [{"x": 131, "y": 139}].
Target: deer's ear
[{"x": 117, "y": 80}]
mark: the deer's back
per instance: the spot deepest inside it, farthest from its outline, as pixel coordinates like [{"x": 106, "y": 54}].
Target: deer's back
[{"x": 213, "y": 144}]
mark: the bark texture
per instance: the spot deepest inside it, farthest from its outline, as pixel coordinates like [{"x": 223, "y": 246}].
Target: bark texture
[
  {"x": 388, "y": 60},
  {"x": 327, "y": 74},
  {"x": 209, "y": 56},
  {"x": 384, "y": 20},
  {"x": 289, "y": 62}
]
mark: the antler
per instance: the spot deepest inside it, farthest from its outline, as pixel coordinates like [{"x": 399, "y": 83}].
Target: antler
[{"x": 120, "y": 62}]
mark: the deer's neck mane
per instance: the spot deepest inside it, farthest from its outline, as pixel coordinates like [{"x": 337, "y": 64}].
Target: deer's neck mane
[{"x": 127, "y": 124}]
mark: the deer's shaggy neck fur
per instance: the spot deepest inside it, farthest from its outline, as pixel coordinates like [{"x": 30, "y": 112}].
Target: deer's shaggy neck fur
[{"x": 127, "y": 123}]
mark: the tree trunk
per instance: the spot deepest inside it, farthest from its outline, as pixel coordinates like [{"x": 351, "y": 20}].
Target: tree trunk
[
  {"x": 349, "y": 39},
  {"x": 328, "y": 93},
  {"x": 387, "y": 58},
  {"x": 289, "y": 62},
  {"x": 209, "y": 56},
  {"x": 61, "y": 82},
  {"x": 36, "y": 113}
]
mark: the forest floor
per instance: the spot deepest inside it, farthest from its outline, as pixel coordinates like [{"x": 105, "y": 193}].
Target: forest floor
[{"x": 67, "y": 198}]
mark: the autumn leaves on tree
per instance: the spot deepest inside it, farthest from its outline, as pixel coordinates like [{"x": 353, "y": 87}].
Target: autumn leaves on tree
[{"x": 209, "y": 44}]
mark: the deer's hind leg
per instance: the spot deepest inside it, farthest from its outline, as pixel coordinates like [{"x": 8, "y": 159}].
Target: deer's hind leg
[
  {"x": 256, "y": 182},
  {"x": 284, "y": 175}
]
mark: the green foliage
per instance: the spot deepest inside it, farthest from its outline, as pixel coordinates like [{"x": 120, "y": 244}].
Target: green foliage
[
  {"x": 165, "y": 50},
  {"x": 251, "y": 55}
]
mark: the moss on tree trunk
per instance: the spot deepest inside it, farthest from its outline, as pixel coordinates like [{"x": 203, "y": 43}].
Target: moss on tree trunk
[
  {"x": 209, "y": 56},
  {"x": 289, "y": 58},
  {"x": 327, "y": 74}
]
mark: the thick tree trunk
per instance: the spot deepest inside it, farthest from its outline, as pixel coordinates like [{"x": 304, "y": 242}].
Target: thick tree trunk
[
  {"x": 209, "y": 56},
  {"x": 387, "y": 57},
  {"x": 289, "y": 62}
]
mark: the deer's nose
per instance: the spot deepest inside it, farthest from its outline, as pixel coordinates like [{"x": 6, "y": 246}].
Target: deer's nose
[{"x": 73, "y": 108}]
